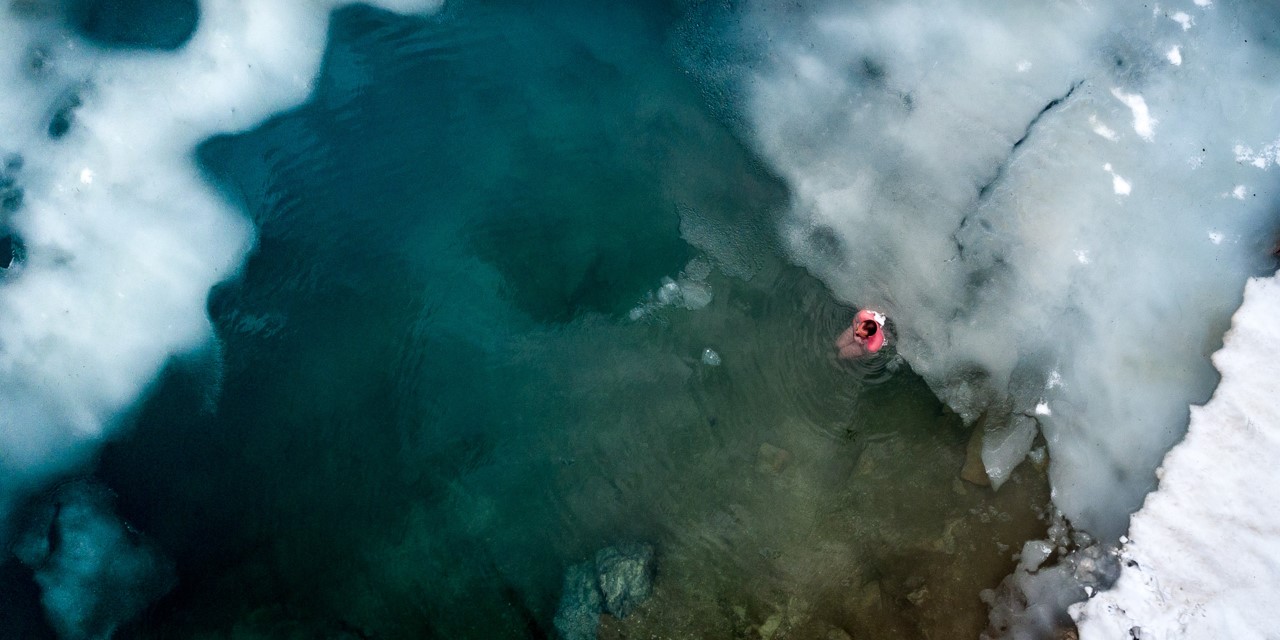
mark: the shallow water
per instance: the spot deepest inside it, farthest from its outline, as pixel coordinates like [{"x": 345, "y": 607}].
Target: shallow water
[{"x": 430, "y": 395}]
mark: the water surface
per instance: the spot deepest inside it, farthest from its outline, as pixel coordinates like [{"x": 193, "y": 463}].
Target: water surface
[{"x": 446, "y": 373}]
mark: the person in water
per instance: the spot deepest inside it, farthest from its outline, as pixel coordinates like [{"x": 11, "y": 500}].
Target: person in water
[{"x": 864, "y": 336}]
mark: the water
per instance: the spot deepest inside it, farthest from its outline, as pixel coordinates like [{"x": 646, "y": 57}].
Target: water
[{"x": 428, "y": 395}]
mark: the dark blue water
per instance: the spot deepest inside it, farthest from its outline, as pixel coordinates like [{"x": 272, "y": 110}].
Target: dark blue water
[{"x": 429, "y": 395}]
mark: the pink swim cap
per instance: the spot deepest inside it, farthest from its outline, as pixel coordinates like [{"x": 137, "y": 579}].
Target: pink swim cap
[{"x": 875, "y": 342}]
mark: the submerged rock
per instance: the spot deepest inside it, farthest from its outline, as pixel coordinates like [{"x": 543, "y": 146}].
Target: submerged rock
[
  {"x": 620, "y": 578},
  {"x": 771, "y": 459},
  {"x": 769, "y": 628},
  {"x": 625, "y": 574},
  {"x": 578, "y": 615},
  {"x": 974, "y": 471},
  {"x": 95, "y": 572}
]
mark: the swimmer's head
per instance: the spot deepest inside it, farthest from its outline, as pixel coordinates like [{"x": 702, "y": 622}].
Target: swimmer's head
[{"x": 867, "y": 328}]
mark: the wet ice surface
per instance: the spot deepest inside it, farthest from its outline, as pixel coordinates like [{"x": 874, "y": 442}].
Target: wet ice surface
[{"x": 1202, "y": 560}]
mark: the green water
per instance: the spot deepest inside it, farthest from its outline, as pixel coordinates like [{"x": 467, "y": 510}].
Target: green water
[{"x": 429, "y": 398}]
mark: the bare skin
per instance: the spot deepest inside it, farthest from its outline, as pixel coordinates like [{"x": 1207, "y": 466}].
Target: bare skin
[{"x": 853, "y": 342}]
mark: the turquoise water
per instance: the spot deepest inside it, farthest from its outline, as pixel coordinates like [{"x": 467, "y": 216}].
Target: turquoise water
[{"x": 430, "y": 394}]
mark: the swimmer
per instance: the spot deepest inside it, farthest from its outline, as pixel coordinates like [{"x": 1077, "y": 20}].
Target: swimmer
[{"x": 864, "y": 336}]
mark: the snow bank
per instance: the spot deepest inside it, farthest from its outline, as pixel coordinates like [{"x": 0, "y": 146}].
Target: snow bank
[
  {"x": 1057, "y": 213},
  {"x": 119, "y": 237},
  {"x": 1203, "y": 561}
]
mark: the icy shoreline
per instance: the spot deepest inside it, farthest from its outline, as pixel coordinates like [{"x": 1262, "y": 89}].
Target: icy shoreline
[
  {"x": 1202, "y": 560},
  {"x": 118, "y": 236}
]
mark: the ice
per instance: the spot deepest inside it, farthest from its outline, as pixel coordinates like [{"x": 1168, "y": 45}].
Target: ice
[
  {"x": 933, "y": 179},
  {"x": 121, "y": 236},
  {"x": 1204, "y": 561},
  {"x": 710, "y": 357},
  {"x": 689, "y": 291},
  {"x": 94, "y": 571},
  {"x": 1032, "y": 602}
]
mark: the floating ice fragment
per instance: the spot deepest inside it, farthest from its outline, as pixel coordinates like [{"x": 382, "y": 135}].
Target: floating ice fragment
[
  {"x": 1174, "y": 55},
  {"x": 1238, "y": 192},
  {"x": 1042, "y": 409},
  {"x": 689, "y": 291},
  {"x": 1215, "y": 237},
  {"x": 1143, "y": 123},
  {"x": 710, "y": 357},
  {"x": 694, "y": 295},
  {"x": 1034, "y": 553},
  {"x": 1183, "y": 19},
  {"x": 669, "y": 292}
]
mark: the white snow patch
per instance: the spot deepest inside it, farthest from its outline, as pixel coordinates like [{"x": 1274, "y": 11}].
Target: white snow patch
[
  {"x": 1102, "y": 129},
  {"x": 1119, "y": 185},
  {"x": 1263, "y": 158},
  {"x": 1174, "y": 55},
  {"x": 1143, "y": 123},
  {"x": 1182, "y": 18}
]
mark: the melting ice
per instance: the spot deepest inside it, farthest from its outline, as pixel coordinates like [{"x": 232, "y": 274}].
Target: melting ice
[
  {"x": 113, "y": 238},
  {"x": 1034, "y": 193}
]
